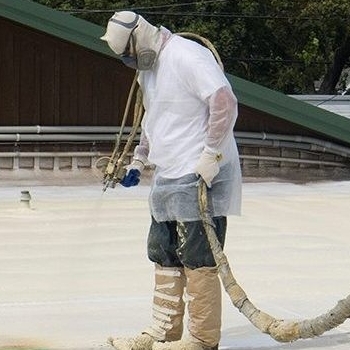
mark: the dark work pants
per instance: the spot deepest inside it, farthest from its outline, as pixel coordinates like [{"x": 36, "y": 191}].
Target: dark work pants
[{"x": 183, "y": 244}]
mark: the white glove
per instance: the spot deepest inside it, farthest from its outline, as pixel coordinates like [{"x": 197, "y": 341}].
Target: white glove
[
  {"x": 135, "y": 164},
  {"x": 208, "y": 166}
]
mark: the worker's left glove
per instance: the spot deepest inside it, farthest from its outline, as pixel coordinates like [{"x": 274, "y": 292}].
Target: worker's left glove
[
  {"x": 133, "y": 173},
  {"x": 208, "y": 166}
]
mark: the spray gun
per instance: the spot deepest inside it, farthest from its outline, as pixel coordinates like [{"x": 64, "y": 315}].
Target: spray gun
[
  {"x": 115, "y": 168},
  {"x": 114, "y": 173}
]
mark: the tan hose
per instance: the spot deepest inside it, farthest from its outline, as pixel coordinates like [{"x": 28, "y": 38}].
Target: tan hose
[
  {"x": 280, "y": 330},
  {"x": 114, "y": 171},
  {"x": 206, "y": 43}
]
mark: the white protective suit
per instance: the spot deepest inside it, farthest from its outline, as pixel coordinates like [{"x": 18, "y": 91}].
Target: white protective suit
[
  {"x": 187, "y": 130},
  {"x": 189, "y": 107}
]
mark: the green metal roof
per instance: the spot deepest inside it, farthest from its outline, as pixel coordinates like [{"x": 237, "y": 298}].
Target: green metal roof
[
  {"x": 56, "y": 23},
  {"x": 86, "y": 34},
  {"x": 290, "y": 109}
]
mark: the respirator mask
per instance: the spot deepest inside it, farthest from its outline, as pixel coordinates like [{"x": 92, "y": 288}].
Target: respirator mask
[{"x": 143, "y": 59}]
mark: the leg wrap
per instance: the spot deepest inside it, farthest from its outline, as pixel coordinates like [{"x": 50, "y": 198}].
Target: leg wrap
[
  {"x": 168, "y": 304},
  {"x": 204, "y": 305}
]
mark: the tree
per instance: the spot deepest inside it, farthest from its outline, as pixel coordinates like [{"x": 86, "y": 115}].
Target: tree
[
  {"x": 332, "y": 30},
  {"x": 284, "y": 45}
]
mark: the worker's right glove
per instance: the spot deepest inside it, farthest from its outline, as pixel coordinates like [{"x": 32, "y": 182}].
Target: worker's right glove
[
  {"x": 208, "y": 166},
  {"x": 133, "y": 173}
]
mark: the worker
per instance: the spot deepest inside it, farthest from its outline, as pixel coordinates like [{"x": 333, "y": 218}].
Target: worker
[{"x": 187, "y": 134}]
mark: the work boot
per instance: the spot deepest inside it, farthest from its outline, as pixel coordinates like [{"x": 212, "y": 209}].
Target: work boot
[
  {"x": 168, "y": 311},
  {"x": 168, "y": 304},
  {"x": 186, "y": 344},
  {"x": 140, "y": 342}
]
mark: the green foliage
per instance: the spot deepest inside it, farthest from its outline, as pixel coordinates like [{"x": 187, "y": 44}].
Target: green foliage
[{"x": 284, "y": 45}]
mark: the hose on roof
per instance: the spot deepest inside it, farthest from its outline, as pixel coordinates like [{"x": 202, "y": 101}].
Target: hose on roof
[{"x": 280, "y": 330}]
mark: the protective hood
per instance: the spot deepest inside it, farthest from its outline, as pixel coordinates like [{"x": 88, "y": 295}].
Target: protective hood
[
  {"x": 134, "y": 39},
  {"x": 119, "y": 29}
]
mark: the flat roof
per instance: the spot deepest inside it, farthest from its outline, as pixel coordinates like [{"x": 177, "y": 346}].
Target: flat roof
[{"x": 339, "y": 104}]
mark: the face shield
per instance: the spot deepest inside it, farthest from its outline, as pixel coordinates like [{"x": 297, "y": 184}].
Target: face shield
[{"x": 122, "y": 32}]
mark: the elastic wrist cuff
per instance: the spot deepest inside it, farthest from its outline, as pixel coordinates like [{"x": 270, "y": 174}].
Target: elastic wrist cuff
[
  {"x": 213, "y": 153},
  {"x": 138, "y": 160}
]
